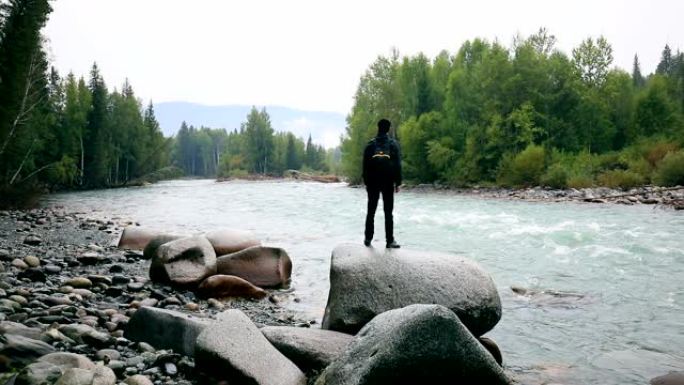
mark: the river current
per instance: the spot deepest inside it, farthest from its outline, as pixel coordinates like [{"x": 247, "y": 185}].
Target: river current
[{"x": 607, "y": 281}]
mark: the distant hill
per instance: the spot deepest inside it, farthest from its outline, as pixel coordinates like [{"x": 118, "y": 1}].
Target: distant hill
[{"x": 325, "y": 127}]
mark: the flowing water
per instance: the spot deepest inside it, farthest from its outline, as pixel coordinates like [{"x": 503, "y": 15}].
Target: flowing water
[{"x": 622, "y": 323}]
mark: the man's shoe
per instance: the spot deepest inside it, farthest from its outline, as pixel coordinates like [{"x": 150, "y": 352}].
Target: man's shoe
[
  {"x": 367, "y": 242},
  {"x": 393, "y": 245}
]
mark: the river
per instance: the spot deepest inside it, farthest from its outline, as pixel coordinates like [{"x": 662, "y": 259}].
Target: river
[{"x": 626, "y": 263}]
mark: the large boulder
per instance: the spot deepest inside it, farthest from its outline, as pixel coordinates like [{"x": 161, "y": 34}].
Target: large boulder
[
  {"x": 234, "y": 350},
  {"x": 310, "y": 349},
  {"x": 260, "y": 265},
  {"x": 226, "y": 241},
  {"x": 183, "y": 262},
  {"x": 49, "y": 368},
  {"x": 152, "y": 246},
  {"x": 223, "y": 286},
  {"x": 136, "y": 238},
  {"x": 365, "y": 282},
  {"x": 165, "y": 329},
  {"x": 418, "y": 344}
]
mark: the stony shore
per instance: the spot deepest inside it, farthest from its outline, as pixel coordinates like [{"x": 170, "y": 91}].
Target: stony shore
[
  {"x": 65, "y": 287},
  {"x": 670, "y": 197}
]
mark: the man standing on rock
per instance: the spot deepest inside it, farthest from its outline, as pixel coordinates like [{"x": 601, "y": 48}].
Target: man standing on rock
[{"x": 381, "y": 175}]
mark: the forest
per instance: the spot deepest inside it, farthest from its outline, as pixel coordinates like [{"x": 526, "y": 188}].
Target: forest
[
  {"x": 525, "y": 116},
  {"x": 63, "y": 132}
]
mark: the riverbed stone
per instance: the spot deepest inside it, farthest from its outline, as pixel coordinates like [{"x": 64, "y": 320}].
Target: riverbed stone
[
  {"x": 672, "y": 378},
  {"x": 33, "y": 240},
  {"x": 227, "y": 241},
  {"x": 138, "y": 379},
  {"x": 310, "y": 349},
  {"x": 19, "y": 351},
  {"x": 234, "y": 349},
  {"x": 136, "y": 238},
  {"x": 260, "y": 265},
  {"x": 223, "y": 286},
  {"x": 185, "y": 261},
  {"x": 20, "y": 264},
  {"x": 32, "y": 260},
  {"x": 365, "y": 282},
  {"x": 165, "y": 329},
  {"x": 417, "y": 344},
  {"x": 79, "y": 282},
  {"x": 65, "y": 360},
  {"x": 39, "y": 373}
]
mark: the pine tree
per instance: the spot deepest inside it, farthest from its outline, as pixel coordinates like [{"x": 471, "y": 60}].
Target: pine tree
[
  {"x": 665, "y": 66},
  {"x": 97, "y": 151},
  {"x": 637, "y": 78}
]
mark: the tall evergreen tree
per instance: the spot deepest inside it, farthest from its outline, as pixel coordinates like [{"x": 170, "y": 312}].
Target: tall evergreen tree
[
  {"x": 665, "y": 66},
  {"x": 637, "y": 79}
]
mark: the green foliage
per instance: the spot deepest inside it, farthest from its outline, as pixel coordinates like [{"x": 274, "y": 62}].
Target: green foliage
[
  {"x": 470, "y": 118},
  {"x": 670, "y": 171},
  {"x": 620, "y": 178},
  {"x": 556, "y": 176},
  {"x": 523, "y": 169}
]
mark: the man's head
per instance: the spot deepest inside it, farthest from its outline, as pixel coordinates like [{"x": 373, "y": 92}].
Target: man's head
[{"x": 384, "y": 126}]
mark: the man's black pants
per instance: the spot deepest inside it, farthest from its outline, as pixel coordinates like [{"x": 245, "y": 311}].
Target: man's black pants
[{"x": 374, "y": 192}]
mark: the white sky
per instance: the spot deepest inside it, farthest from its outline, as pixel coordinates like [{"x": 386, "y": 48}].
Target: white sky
[{"x": 310, "y": 54}]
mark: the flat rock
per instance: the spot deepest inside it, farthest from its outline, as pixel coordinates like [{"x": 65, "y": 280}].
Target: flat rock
[
  {"x": 418, "y": 344},
  {"x": 22, "y": 350},
  {"x": 223, "y": 286},
  {"x": 310, "y": 349},
  {"x": 365, "y": 282},
  {"x": 185, "y": 261},
  {"x": 68, "y": 360},
  {"x": 672, "y": 378},
  {"x": 165, "y": 329},
  {"x": 260, "y": 265},
  {"x": 39, "y": 373},
  {"x": 138, "y": 379},
  {"x": 234, "y": 349},
  {"x": 227, "y": 241}
]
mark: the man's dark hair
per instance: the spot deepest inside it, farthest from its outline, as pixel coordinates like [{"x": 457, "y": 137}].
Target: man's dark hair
[{"x": 384, "y": 126}]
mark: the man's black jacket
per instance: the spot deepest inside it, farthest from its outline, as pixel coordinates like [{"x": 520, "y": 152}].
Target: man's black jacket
[{"x": 371, "y": 177}]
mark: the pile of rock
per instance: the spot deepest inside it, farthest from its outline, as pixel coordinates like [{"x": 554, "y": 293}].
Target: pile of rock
[
  {"x": 393, "y": 317},
  {"x": 223, "y": 263}
]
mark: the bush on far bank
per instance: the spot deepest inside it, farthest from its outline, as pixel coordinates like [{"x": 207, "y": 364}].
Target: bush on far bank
[{"x": 670, "y": 170}]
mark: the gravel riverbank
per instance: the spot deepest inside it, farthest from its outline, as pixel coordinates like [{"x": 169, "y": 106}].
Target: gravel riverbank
[{"x": 66, "y": 288}]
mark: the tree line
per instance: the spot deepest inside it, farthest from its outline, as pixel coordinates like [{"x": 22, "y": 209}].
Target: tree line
[
  {"x": 64, "y": 132},
  {"x": 525, "y": 115},
  {"x": 254, "y": 148}
]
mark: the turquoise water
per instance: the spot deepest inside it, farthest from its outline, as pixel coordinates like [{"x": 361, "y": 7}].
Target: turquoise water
[{"x": 626, "y": 263}]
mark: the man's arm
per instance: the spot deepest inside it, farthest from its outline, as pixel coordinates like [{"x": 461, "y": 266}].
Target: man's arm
[
  {"x": 364, "y": 168},
  {"x": 397, "y": 165}
]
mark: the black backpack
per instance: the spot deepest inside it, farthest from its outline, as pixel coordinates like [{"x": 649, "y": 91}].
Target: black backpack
[{"x": 381, "y": 158}]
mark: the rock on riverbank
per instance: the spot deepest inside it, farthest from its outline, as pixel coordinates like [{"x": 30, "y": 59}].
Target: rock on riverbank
[{"x": 64, "y": 288}]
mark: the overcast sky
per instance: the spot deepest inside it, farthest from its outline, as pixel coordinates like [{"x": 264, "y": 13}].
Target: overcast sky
[{"x": 310, "y": 54}]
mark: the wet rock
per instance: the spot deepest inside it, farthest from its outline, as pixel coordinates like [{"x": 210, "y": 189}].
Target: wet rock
[
  {"x": 90, "y": 258},
  {"x": 492, "y": 348},
  {"x": 222, "y": 286},
  {"x": 418, "y": 344},
  {"x": 165, "y": 329},
  {"x": 235, "y": 346},
  {"x": 33, "y": 240},
  {"x": 79, "y": 282},
  {"x": 8, "y": 327},
  {"x": 226, "y": 241},
  {"x": 672, "y": 378},
  {"x": 365, "y": 282},
  {"x": 101, "y": 375},
  {"x": 262, "y": 266},
  {"x": 185, "y": 261},
  {"x": 310, "y": 349},
  {"x": 135, "y": 286}
]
